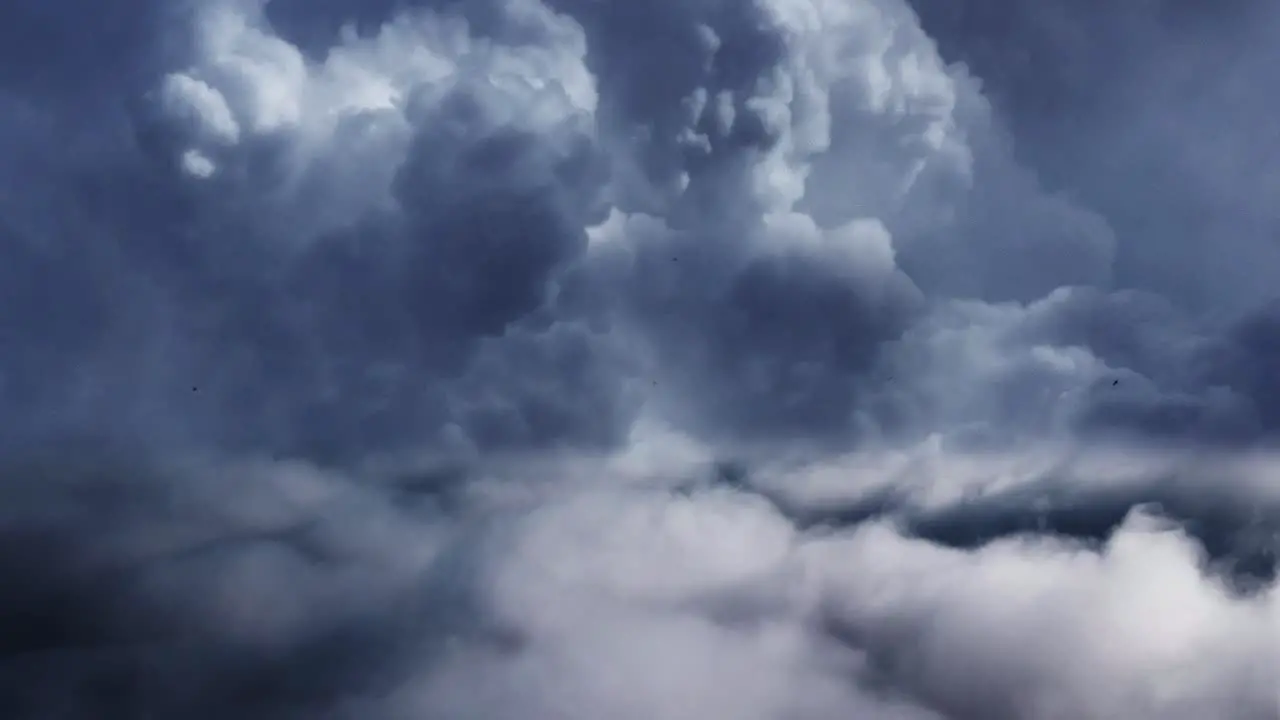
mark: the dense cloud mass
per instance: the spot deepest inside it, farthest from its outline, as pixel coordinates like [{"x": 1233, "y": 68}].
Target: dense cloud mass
[{"x": 682, "y": 359}]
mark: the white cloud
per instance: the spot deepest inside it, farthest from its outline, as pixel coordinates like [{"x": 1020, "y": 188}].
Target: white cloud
[
  {"x": 198, "y": 164},
  {"x": 1038, "y": 628},
  {"x": 647, "y": 604},
  {"x": 344, "y": 123},
  {"x": 205, "y": 106}
]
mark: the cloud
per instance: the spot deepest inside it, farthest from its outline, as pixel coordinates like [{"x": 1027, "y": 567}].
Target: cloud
[
  {"x": 318, "y": 260},
  {"x": 1146, "y": 113},
  {"x": 568, "y": 359},
  {"x": 274, "y": 590},
  {"x": 767, "y": 230}
]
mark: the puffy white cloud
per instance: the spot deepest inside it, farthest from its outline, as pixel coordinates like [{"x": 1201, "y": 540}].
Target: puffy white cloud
[
  {"x": 204, "y": 106},
  {"x": 1038, "y": 628}
]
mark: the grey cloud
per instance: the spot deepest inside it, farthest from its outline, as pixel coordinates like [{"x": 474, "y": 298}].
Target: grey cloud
[
  {"x": 1146, "y": 113},
  {"x": 298, "y": 294},
  {"x": 416, "y": 332},
  {"x": 277, "y": 590},
  {"x": 144, "y": 588},
  {"x": 342, "y": 155},
  {"x": 968, "y": 498}
]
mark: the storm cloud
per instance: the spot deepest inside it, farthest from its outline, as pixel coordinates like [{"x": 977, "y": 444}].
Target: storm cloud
[{"x": 683, "y": 359}]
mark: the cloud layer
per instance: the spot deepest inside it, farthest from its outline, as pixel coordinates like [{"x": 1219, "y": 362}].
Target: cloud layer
[{"x": 683, "y": 359}]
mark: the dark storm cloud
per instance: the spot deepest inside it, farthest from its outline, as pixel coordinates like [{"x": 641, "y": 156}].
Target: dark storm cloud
[
  {"x": 280, "y": 305},
  {"x": 1148, "y": 113},
  {"x": 363, "y": 232},
  {"x": 1151, "y": 113},
  {"x": 504, "y": 279},
  {"x": 142, "y": 588}
]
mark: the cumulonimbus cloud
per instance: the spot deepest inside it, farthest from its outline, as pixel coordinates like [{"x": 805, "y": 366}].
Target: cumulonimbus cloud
[{"x": 570, "y": 359}]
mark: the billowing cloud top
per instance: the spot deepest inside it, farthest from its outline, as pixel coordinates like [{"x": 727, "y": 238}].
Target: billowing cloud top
[{"x": 680, "y": 359}]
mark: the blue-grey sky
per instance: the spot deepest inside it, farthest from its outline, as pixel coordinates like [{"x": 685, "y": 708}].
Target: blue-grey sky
[{"x": 560, "y": 359}]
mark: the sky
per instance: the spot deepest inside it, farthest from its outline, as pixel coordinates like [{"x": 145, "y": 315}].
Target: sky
[{"x": 677, "y": 360}]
